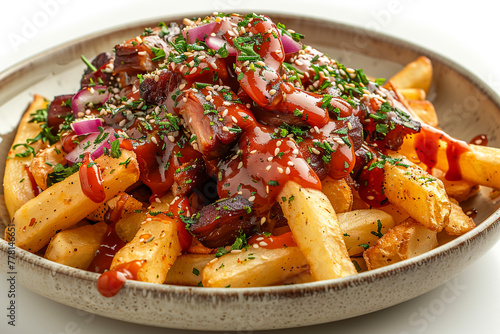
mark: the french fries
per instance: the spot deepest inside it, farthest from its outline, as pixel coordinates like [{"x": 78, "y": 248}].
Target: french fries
[
  {"x": 421, "y": 195},
  {"x": 316, "y": 230},
  {"x": 157, "y": 244},
  {"x": 254, "y": 267},
  {"x": 459, "y": 222},
  {"x": 187, "y": 269},
  {"x": 17, "y": 187},
  {"x": 401, "y": 242},
  {"x": 37, "y": 220},
  {"x": 363, "y": 227},
  {"x": 76, "y": 247},
  {"x": 339, "y": 193},
  {"x": 417, "y": 74},
  {"x": 425, "y": 111}
]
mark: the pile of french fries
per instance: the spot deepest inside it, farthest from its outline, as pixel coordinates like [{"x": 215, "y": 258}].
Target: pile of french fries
[{"x": 336, "y": 233}]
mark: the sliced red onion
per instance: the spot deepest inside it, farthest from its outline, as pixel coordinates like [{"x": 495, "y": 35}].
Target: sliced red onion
[
  {"x": 86, "y": 126},
  {"x": 198, "y": 33},
  {"x": 89, "y": 145},
  {"x": 216, "y": 43},
  {"x": 95, "y": 94},
  {"x": 289, "y": 45}
]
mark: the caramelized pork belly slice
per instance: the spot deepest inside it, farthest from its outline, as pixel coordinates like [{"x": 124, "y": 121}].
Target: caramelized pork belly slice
[
  {"x": 220, "y": 223},
  {"x": 209, "y": 125},
  {"x": 141, "y": 54},
  {"x": 103, "y": 62},
  {"x": 58, "y": 109},
  {"x": 158, "y": 87},
  {"x": 188, "y": 176}
]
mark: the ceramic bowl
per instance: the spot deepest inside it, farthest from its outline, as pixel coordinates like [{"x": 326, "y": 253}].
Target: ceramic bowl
[{"x": 466, "y": 105}]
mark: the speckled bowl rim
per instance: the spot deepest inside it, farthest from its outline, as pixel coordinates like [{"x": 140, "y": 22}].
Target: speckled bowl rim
[{"x": 490, "y": 223}]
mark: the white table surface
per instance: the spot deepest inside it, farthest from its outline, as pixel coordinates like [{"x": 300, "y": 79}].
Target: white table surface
[{"x": 464, "y": 31}]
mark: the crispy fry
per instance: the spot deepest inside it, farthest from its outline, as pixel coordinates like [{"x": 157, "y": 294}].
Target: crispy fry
[
  {"x": 417, "y": 74},
  {"x": 16, "y": 182},
  {"x": 460, "y": 190},
  {"x": 425, "y": 111},
  {"x": 459, "y": 222},
  {"x": 480, "y": 165},
  {"x": 418, "y": 193},
  {"x": 187, "y": 269},
  {"x": 363, "y": 227},
  {"x": 254, "y": 267},
  {"x": 316, "y": 230},
  {"x": 37, "y": 220},
  {"x": 413, "y": 93},
  {"x": 157, "y": 243},
  {"x": 339, "y": 193},
  {"x": 401, "y": 242},
  {"x": 76, "y": 247}
]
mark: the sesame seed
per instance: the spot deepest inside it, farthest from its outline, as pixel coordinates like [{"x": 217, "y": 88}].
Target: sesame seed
[
  {"x": 299, "y": 63},
  {"x": 259, "y": 239},
  {"x": 287, "y": 171},
  {"x": 370, "y": 198},
  {"x": 225, "y": 129},
  {"x": 278, "y": 143},
  {"x": 246, "y": 63},
  {"x": 214, "y": 65},
  {"x": 142, "y": 53},
  {"x": 224, "y": 113},
  {"x": 315, "y": 151},
  {"x": 272, "y": 92},
  {"x": 349, "y": 125},
  {"x": 193, "y": 70},
  {"x": 280, "y": 170},
  {"x": 262, "y": 244},
  {"x": 260, "y": 63},
  {"x": 295, "y": 151},
  {"x": 291, "y": 164},
  {"x": 240, "y": 165},
  {"x": 268, "y": 167},
  {"x": 264, "y": 257},
  {"x": 234, "y": 119},
  {"x": 276, "y": 151},
  {"x": 208, "y": 97},
  {"x": 181, "y": 86},
  {"x": 267, "y": 189},
  {"x": 255, "y": 246},
  {"x": 138, "y": 39},
  {"x": 262, "y": 221},
  {"x": 251, "y": 198},
  {"x": 270, "y": 159},
  {"x": 171, "y": 138},
  {"x": 154, "y": 140},
  {"x": 253, "y": 151},
  {"x": 316, "y": 129}
]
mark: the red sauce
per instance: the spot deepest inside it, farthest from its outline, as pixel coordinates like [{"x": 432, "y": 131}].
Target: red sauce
[
  {"x": 34, "y": 186},
  {"x": 104, "y": 255},
  {"x": 481, "y": 140},
  {"x": 471, "y": 213},
  {"x": 178, "y": 207},
  {"x": 111, "y": 242},
  {"x": 273, "y": 241},
  {"x": 371, "y": 187},
  {"x": 91, "y": 180},
  {"x": 427, "y": 143},
  {"x": 112, "y": 281}
]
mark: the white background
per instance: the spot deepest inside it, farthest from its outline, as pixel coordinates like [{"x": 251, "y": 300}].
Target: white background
[{"x": 464, "y": 31}]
